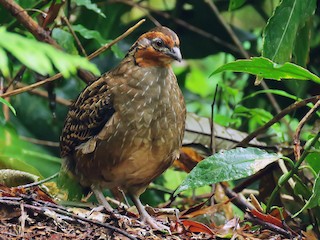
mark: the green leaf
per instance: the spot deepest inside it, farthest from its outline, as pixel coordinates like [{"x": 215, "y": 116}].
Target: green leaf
[
  {"x": 18, "y": 154},
  {"x": 29, "y": 52},
  {"x": 65, "y": 40},
  {"x": 40, "y": 56},
  {"x": 313, "y": 158},
  {"x": 265, "y": 68},
  {"x": 273, "y": 91},
  {"x": 4, "y": 68},
  {"x": 89, "y": 34},
  {"x": 281, "y": 30},
  {"x": 89, "y": 5},
  {"x": 314, "y": 200},
  {"x": 302, "y": 44},
  {"x": 5, "y": 102},
  {"x": 227, "y": 165},
  {"x": 234, "y": 4}
]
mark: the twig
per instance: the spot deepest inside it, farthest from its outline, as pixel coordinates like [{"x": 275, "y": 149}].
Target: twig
[
  {"x": 122, "y": 36},
  {"x": 296, "y": 138},
  {"x": 280, "y": 115},
  {"x": 31, "y": 86},
  {"x": 245, "y": 206},
  {"x": 269, "y": 226},
  {"x": 22, "y": 16},
  {"x": 22, "y": 219},
  {"x": 212, "y": 139},
  {"x": 66, "y": 21},
  {"x": 227, "y": 27},
  {"x": 44, "y": 94},
  {"x": 58, "y": 75},
  {"x": 16, "y": 77},
  {"x": 40, "y": 142},
  {"x": 39, "y": 182},
  {"x": 184, "y": 24},
  {"x": 57, "y": 210}
]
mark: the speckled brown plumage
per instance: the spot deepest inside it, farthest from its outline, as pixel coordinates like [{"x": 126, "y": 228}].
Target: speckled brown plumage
[{"x": 126, "y": 128}]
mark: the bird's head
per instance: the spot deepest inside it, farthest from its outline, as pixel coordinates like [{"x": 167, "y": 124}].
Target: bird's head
[{"x": 157, "y": 48}]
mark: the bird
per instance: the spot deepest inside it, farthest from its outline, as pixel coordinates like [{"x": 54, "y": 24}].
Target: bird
[{"x": 126, "y": 128}]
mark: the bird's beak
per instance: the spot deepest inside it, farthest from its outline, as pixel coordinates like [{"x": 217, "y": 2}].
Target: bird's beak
[{"x": 175, "y": 54}]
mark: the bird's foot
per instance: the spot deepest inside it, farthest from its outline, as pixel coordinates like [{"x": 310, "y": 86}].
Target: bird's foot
[{"x": 154, "y": 224}]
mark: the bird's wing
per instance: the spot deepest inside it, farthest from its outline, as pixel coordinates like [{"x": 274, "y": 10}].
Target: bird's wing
[{"x": 87, "y": 116}]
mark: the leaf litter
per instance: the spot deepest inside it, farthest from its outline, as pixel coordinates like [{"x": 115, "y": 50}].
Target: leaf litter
[{"x": 29, "y": 213}]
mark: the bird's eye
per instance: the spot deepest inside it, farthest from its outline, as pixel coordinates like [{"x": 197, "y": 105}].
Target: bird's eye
[{"x": 158, "y": 42}]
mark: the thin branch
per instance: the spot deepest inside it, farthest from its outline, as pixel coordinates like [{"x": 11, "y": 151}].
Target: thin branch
[
  {"x": 58, "y": 75},
  {"x": 182, "y": 23},
  {"x": 212, "y": 139},
  {"x": 296, "y": 138},
  {"x": 66, "y": 21},
  {"x": 31, "y": 86},
  {"x": 22, "y": 16},
  {"x": 122, "y": 36},
  {"x": 227, "y": 27},
  {"x": 246, "y": 207},
  {"x": 44, "y": 94},
  {"x": 279, "y": 116},
  {"x": 40, "y": 142},
  {"x": 39, "y": 182}
]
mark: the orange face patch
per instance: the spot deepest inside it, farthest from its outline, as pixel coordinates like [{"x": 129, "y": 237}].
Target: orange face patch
[{"x": 148, "y": 57}]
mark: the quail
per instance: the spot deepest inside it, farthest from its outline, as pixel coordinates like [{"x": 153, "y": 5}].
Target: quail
[{"x": 126, "y": 128}]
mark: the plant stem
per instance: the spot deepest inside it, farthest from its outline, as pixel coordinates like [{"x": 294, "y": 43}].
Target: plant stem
[{"x": 294, "y": 170}]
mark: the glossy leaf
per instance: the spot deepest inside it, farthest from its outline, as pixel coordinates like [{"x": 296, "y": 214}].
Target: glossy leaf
[
  {"x": 314, "y": 200},
  {"x": 18, "y": 154},
  {"x": 234, "y": 4},
  {"x": 89, "y": 34},
  {"x": 4, "y": 68},
  {"x": 281, "y": 30},
  {"x": 40, "y": 56},
  {"x": 265, "y": 68},
  {"x": 302, "y": 45},
  {"x": 65, "y": 40},
  {"x": 89, "y": 5},
  {"x": 273, "y": 91},
  {"x": 5, "y": 102},
  {"x": 227, "y": 165}
]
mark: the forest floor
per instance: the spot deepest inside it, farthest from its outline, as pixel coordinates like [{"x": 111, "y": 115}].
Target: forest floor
[{"x": 31, "y": 214}]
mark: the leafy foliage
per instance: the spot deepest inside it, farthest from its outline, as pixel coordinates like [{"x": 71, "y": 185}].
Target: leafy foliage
[
  {"x": 39, "y": 56},
  {"x": 264, "y": 68},
  {"x": 227, "y": 165},
  {"x": 282, "y": 38}
]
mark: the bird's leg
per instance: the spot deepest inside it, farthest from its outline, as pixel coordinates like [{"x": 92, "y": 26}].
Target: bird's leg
[
  {"x": 101, "y": 199},
  {"x": 145, "y": 217}
]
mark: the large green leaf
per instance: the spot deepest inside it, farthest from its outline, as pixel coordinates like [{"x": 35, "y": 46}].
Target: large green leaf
[
  {"x": 265, "y": 68},
  {"x": 89, "y": 34},
  {"x": 227, "y": 165},
  {"x": 65, "y": 40},
  {"x": 234, "y": 4},
  {"x": 4, "y": 63},
  {"x": 18, "y": 154},
  {"x": 89, "y": 5},
  {"x": 281, "y": 30},
  {"x": 40, "y": 56},
  {"x": 314, "y": 200}
]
